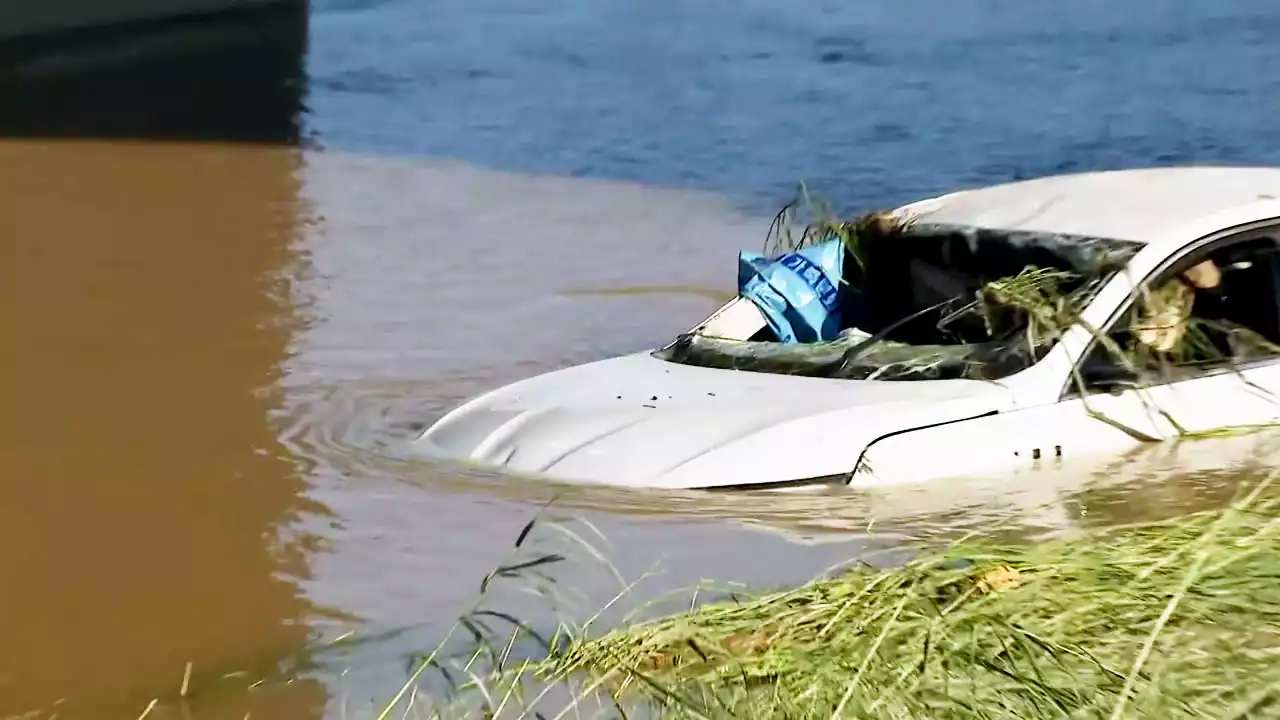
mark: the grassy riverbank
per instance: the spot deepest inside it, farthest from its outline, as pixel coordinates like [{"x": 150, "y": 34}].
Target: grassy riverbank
[{"x": 1173, "y": 619}]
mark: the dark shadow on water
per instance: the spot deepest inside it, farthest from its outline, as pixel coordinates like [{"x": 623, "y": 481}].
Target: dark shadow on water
[{"x": 235, "y": 76}]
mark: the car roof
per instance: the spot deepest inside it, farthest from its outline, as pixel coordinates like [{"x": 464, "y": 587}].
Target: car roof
[{"x": 1134, "y": 204}]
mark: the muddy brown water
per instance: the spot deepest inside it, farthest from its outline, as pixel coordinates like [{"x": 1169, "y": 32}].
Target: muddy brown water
[{"x": 213, "y": 354}]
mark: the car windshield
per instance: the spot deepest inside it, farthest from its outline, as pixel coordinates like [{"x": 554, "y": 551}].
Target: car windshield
[{"x": 935, "y": 302}]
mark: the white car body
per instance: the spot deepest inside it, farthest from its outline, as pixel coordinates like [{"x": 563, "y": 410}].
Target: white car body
[{"x": 641, "y": 421}]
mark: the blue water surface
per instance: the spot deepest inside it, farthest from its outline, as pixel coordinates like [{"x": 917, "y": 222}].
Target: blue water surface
[{"x": 874, "y": 102}]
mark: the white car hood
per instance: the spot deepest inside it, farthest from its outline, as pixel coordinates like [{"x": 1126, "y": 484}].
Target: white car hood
[{"x": 644, "y": 422}]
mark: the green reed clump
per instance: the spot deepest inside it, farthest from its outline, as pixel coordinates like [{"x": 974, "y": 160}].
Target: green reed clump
[
  {"x": 809, "y": 219},
  {"x": 1173, "y": 619}
]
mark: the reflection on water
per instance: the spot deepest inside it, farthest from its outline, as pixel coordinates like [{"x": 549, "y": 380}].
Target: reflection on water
[
  {"x": 146, "y": 491},
  {"x": 233, "y": 77}
]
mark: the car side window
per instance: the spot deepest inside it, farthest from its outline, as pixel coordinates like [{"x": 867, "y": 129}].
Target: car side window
[{"x": 1210, "y": 312}]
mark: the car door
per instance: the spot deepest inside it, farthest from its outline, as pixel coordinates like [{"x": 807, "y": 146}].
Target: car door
[
  {"x": 1102, "y": 408},
  {"x": 1231, "y": 376},
  {"x": 1195, "y": 405}
]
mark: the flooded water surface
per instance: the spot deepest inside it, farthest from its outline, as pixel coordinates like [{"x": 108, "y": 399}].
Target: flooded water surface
[
  {"x": 216, "y": 348},
  {"x": 146, "y": 482}
]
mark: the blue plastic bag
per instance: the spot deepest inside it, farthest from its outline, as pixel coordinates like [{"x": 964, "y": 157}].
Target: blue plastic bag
[{"x": 799, "y": 293}]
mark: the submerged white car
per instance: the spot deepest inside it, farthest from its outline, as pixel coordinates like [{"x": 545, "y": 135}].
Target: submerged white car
[{"x": 1006, "y": 327}]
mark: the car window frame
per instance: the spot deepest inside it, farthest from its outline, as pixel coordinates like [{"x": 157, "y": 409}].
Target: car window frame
[{"x": 1186, "y": 256}]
